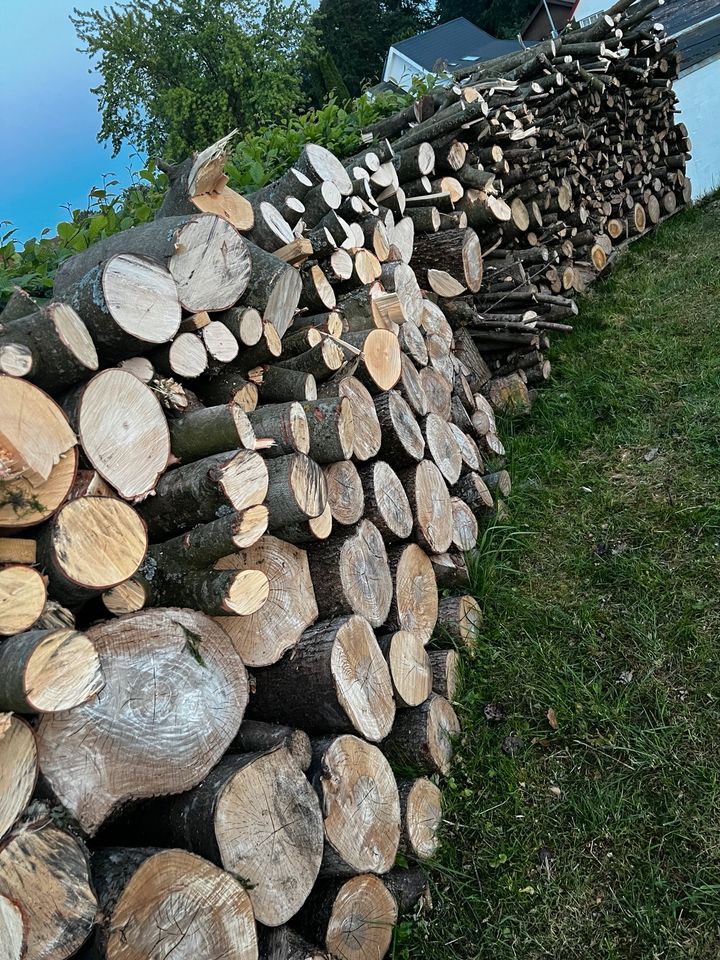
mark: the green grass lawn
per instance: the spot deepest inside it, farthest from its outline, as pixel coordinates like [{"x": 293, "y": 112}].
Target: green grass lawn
[{"x": 601, "y": 838}]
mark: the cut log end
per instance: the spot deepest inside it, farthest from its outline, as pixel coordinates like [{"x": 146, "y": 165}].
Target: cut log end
[
  {"x": 362, "y": 920},
  {"x": 422, "y": 812},
  {"x": 18, "y": 769},
  {"x": 22, "y": 598}
]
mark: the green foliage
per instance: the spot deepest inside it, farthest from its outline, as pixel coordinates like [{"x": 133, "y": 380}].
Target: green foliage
[
  {"x": 324, "y": 79},
  {"x": 358, "y": 33},
  {"x": 179, "y": 74},
  {"x": 501, "y": 18},
  {"x": 257, "y": 159}
]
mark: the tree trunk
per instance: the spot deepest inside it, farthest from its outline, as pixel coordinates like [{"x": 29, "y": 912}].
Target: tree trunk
[
  {"x": 201, "y": 491},
  {"x": 263, "y": 637},
  {"x": 44, "y": 671},
  {"x": 206, "y": 257},
  {"x": 335, "y": 679},
  {"x": 421, "y": 810},
  {"x": 46, "y": 873},
  {"x": 360, "y": 804},
  {"x": 173, "y": 700},
  {"x": 351, "y": 575},
  {"x": 422, "y": 738},
  {"x": 150, "y": 901},
  {"x": 91, "y": 545},
  {"x": 18, "y": 770}
]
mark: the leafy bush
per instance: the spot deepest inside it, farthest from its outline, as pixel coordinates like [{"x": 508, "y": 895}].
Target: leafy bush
[{"x": 257, "y": 159}]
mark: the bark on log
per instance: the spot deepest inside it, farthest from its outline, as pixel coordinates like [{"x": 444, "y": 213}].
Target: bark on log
[
  {"x": 257, "y": 817},
  {"x": 229, "y": 386},
  {"x": 285, "y": 424},
  {"x": 445, "y": 669},
  {"x": 162, "y": 903},
  {"x": 44, "y": 671},
  {"x": 174, "y": 697},
  {"x": 210, "y": 430},
  {"x": 207, "y": 258},
  {"x": 273, "y": 288},
  {"x": 254, "y": 736},
  {"x": 456, "y": 251},
  {"x": 334, "y": 680},
  {"x": 201, "y": 491},
  {"x": 280, "y": 384},
  {"x": 351, "y": 575},
  {"x": 422, "y": 738},
  {"x": 421, "y": 811},
  {"x": 19, "y": 304},
  {"x": 460, "y": 618},
  {"x": 283, "y": 943},
  {"x": 332, "y": 429},
  {"x": 368, "y": 436},
  {"x": 61, "y": 349},
  {"x": 18, "y": 769},
  {"x": 264, "y": 636},
  {"x": 360, "y": 804},
  {"x": 46, "y": 872},
  {"x": 91, "y": 545},
  {"x": 297, "y": 490}
]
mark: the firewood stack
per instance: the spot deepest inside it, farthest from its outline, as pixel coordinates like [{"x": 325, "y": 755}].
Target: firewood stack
[{"x": 259, "y": 434}]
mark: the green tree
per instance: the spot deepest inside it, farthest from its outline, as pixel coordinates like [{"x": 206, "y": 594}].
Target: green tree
[
  {"x": 324, "y": 79},
  {"x": 501, "y": 18},
  {"x": 358, "y": 33},
  {"x": 179, "y": 74}
]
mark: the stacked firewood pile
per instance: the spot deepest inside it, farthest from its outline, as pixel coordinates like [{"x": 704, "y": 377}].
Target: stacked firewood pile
[{"x": 259, "y": 434}]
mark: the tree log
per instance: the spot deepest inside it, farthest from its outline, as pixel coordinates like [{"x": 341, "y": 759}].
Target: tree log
[
  {"x": 169, "y": 903},
  {"x": 210, "y": 430},
  {"x": 332, "y": 429},
  {"x": 415, "y": 596},
  {"x": 442, "y": 447},
  {"x": 445, "y": 668},
  {"x": 346, "y": 497},
  {"x": 368, "y": 436},
  {"x": 285, "y": 424},
  {"x": 34, "y": 432},
  {"x": 174, "y": 696},
  {"x": 422, "y": 738},
  {"x": 465, "y": 525},
  {"x": 13, "y": 926},
  {"x": 207, "y": 258},
  {"x": 282, "y": 943},
  {"x": 22, "y": 598},
  {"x": 44, "y": 671},
  {"x": 360, "y": 804},
  {"x": 91, "y": 545},
  {"x": 386, "y": 503},
  {"x": 409, "y": 667},
  {"x": 263, "y": 637},
  {"x": 457, "y": 251},
  {"x": 18, "y": 769},
  {"x": 460, "y": 618},
  {"x": 402, "y": 441},
  {"x": 334, "y": 680},
  {"x": 273, "y": 288},
  {"x": 421, "y": 810},
  {"x": 254, "y": 736},
  {"x": 297, "y": 490},
  {"x": 351, "y": 575},
  {"x": 430, "y": 504},
  {"x": 46, "y": 872}
]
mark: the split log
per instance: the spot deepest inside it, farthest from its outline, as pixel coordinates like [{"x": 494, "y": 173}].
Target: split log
[
  {"x": 422, "y": 738},
  {"x": 34, "y": 432},
  {"x": 460, "y": 618},
  {"x": 421, "y": 811},
  {"x": 44, "y": 671},
  {"x": 46, "y": 872},
  {"x": 353, "y": 920},
  {"x": 409, "y": 667},
  {"x": 386, "y": 503},
  {"x": 254, "y": 736},
  {"x": 61, "y": 349},
  {"x": 22, "y": 598},
  {"x": 174, "y": 696},
  {"x": 206, "y": 257},
  {"x": 445, "y": 669},
  {"x": 415, "y": 596},
  {"x": 264, "y": 636},
  {"x": 198, "y": 492},
  {"x": 346, "y": 497},
  {"x": 351, "y": 575},
  {"x": 360, "y": 804},
  {"x": 430, "y": 503},
  {"x": 210, "y": 430},
  {"x": 256, "y": 816},
  {"x": 335, "y": 679},
  {"x": 18, "y": 769},
  {"x": 162, "y": 903},
  {"x": 91, "y": 545},
  {"x": 130, "y": 451}
]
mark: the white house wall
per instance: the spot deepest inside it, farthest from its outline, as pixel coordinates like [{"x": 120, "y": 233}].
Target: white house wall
[
  {"x": 401, "y": 70},
  {"x": 699, "y": 93}
]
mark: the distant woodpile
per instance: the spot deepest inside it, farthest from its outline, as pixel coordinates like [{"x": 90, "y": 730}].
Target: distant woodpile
[{"x": 260, "y": 434}]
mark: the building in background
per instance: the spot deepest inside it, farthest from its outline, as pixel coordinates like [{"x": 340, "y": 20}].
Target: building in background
[
  {"x": 696, "y": 26},
  {"x": 539, "y": 26},
  {"x": 447, "y": 47}
]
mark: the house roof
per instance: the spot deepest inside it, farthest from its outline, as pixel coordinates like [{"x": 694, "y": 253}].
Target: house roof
[
  {"x": 458, "y": 42},
  {"x": 696, "y": 24}
]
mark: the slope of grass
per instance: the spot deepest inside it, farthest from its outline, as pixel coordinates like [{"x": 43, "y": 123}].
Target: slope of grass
[{"x": 600, "y": 839}]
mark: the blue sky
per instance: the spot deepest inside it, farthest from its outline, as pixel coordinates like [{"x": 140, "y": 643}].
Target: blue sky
[{"x": 49, "y": 120}]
